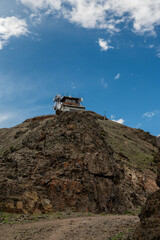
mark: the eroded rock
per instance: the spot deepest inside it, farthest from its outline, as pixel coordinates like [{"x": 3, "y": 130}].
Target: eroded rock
[
  {"x": 149, "y": 227},
  {"x": 78, "y": 161}
]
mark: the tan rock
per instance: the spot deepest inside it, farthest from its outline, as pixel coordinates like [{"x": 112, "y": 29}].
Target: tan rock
[
  {"x": 19, "y": 205},
  {"x": 10, "y": 205},
  {"x": 31, "y": 195}
]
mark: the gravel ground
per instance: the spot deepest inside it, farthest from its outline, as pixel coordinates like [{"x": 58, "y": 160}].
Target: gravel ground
[{"x": 97, "y": 227}]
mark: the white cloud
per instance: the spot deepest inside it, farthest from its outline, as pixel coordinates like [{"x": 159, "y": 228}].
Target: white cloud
[
  {"x": 103, "y": 83},
  {"x": 104, "y": 44},
  {"x": 1, "y": 44},
  {"x": 121, "y": 121},
  {"x": 158, "y": 135},
  {"x": 34, "y": 4},
  {"x": 117, "y": 76},
  {"x": 104, "y": 14},
  {"x": 11, "y": 27},
  {"x": 150, "y": 115}
]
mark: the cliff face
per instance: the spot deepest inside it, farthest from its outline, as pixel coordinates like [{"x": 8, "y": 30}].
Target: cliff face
[
  {"x": 149, "y": 227},
  {"x": 78, "y": 161}
]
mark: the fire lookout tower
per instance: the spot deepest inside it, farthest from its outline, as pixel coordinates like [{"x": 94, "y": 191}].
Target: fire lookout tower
[{"x": 64, "y": 103}]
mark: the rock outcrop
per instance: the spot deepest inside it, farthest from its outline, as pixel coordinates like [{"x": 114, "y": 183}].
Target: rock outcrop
[
  {"x": 149, "y": 227},
  {"x": 78, "y": 161}
]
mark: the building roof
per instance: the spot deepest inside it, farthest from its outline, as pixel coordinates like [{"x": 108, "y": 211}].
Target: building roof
[{"x": 72, "y": 98}]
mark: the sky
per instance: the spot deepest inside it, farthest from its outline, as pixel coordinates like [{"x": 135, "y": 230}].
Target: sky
[{"x": 105, "y": 51}]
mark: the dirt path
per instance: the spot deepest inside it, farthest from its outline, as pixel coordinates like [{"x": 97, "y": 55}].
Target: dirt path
[{"x": 96, "y": 227}]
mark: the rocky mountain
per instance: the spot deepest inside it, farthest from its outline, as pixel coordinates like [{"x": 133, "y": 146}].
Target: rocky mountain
[{"x": 78, "y": 161}]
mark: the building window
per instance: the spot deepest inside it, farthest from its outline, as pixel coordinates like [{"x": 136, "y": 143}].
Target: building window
[{"x": 70, "y": 101}]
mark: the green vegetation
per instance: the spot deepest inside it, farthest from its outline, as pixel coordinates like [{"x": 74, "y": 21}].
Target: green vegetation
[
  {"x": 1, "y": 153},
  {"x": 12, "y": 218},
  {"x": 131, "y": 145},
  {"x": 103, "y": 133},
  {"x": 119, "y": 236},
  {"x": 103, "y": 213},
  {"x": 12, "y": 148},
  {"x": 133, "y": 212}
]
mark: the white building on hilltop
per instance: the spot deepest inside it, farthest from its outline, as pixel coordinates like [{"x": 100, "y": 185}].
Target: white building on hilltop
[{"x": 64, "y": 103}]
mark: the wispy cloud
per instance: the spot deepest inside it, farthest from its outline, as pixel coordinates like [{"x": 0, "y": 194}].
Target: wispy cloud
[
  {"x": 150, "y": 115},
  {"x": 104, "y": 83},
  {"x": 158, "y": 54},
  {"x": 8, "y": 119},
  {"x": 138, "y": 125},
  {"x": 9, "y": 90},
  {"x": 11, "y": 27},
  {"x": 105, "y": 14},
  {"x": 117, "y": 76},
  {"x": 73, "y": 85},
  {"x": 151, "y": 46},
  {"x": 3, "y": 118},
  {"x": 14, "y": 116},
  {"x": 121, "y": 120}
]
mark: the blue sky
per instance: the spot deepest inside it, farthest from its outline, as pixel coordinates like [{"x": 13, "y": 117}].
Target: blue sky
[{"x": 106, "y": 51}]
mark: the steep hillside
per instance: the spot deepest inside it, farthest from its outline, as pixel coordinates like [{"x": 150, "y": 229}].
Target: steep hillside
[
  {"x": 78, "y": 161},
  {"x": 149, "y": 227}
]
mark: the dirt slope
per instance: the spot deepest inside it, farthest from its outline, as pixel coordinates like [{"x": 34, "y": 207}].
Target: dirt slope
[{"x": 78, "y": 161}]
